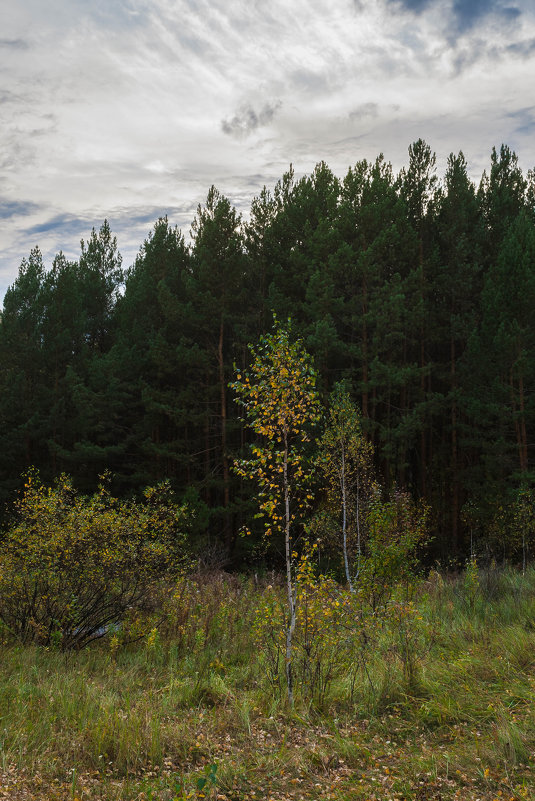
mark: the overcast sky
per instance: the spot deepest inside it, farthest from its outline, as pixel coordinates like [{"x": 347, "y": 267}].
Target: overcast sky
[{"x": 131, "y": 109}]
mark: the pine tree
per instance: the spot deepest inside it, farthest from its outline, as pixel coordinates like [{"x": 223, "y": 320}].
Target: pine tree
[
  {"x": 419, "y": 186},
  {"x": 102, "y": 276},
  {"x": 23, "y": 381},
  {"x": 155, "y": 369},
  {"x": 215, "y": 288},
  {"x": 455, "y": 292}
]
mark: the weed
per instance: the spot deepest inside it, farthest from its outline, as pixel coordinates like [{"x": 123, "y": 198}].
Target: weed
[{"x": 431, "y": 699}]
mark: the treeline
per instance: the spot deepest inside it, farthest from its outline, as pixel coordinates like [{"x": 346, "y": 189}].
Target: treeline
[{"x": 418, "y": 291}]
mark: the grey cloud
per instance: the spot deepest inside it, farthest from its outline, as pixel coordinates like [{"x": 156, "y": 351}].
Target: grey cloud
[
  {"x": 71, "y": 225},
  {"x": 478, "y": 49},
  {"x": 254, "y": 180},
  {"x": 474, "y": 51},
  {"x": 309, "y": 81},
  {"x": 525, "y": 119},
  {"x": 364, "y": 110},
  {"x": 14, "y": 44},
  {"x": 148, "y": 215},
  {"x": 113, "y": 16},
  {"x": 247, "y": 120},
  {"x": 415, "y": 5},
  {"x": 16, "y": 208},
  {"x": 195, "y": 44},
  {"x": 524, "y": 48},
  {"x": 8, "y": 97},
  {"x": 67, "y": 223},
  {"x": 12, "y": 156}
]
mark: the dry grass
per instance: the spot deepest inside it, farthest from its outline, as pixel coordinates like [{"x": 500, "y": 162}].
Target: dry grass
[{"x": 148, "y": 720}]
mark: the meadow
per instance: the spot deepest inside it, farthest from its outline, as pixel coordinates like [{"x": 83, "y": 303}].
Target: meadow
[{"x": 430, "y": 699}]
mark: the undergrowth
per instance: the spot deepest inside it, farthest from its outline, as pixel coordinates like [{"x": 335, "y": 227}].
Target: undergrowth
[{"x": 431, "y": 700}]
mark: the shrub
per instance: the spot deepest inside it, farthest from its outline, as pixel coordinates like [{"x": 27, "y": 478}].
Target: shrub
[
  {"x": 72, "y": 567},
  {"x": 397, "y": 527},
  {"x": 324, "y": 633}
]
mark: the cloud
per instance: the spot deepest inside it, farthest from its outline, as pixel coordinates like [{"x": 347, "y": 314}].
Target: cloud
[
  {"x": 153, "y": 102},
  {"x": 247, "y": 120},
  {"x": 363, "y": 111},
  {"x": 149, "y": 215},
  {"x": 414, "y": 5},
  {"x": 525, "y": 48},
  {"x": 17, "y": 208},
  {"x": 524, "y": 119},
  {"x": 14, "y": 44},
  {"x": 312, "y": 81},
  {"x": 66, "y": 223},
  {"x": 9, "y": 97}
]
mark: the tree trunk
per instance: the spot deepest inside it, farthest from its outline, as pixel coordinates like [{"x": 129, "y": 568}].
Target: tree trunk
[
  {"x": 290, "y": 627},
  {"x": 423, "y": 432},
  {"x": 344, "y": 518},
  {"x": 224, "y": 456},
  {"x": 454, "y": 452},
  {"x": 522, "y": 421},
  {"x": 365, "y": 375}
]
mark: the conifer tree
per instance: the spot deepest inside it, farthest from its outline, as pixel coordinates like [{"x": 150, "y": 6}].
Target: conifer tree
[
  {"x": 23, "y": 380},
  {"x": 456, "y": 291},
  {"x": 216, "y": 288},
  {"x": 419, "y": 186},
  {"x": 152, "y": 324}
]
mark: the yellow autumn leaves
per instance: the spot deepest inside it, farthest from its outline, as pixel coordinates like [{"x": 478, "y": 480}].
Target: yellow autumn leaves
[
  {"x": 71, "y": 566},
  {"x": 281, "y": 406}
]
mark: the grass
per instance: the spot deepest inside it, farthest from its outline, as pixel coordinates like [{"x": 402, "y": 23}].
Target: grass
[{"x": 190, "y": 710}]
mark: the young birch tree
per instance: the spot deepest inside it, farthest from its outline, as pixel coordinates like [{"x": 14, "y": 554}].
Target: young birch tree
[
  {"x": 282, "y": 406},
  {"x": 346, "y": 462}
]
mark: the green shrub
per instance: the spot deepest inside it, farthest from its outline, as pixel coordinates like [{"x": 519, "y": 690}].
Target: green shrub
[
  {"x": 397, "y": 527},
  {"x": 72, "y": 567}
]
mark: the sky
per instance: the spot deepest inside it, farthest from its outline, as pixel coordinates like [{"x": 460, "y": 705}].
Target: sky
[{"x": 128, "y": 110}]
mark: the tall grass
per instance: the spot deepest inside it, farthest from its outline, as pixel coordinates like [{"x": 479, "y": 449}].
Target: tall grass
[{"x": 445, "y": 693}]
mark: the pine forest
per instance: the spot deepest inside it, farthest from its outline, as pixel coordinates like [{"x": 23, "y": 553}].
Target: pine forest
[
  {"x": 416, "y": 292},
  {"x": 267, "y": 502}
]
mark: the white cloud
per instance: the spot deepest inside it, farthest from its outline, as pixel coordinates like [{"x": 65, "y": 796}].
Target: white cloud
[{"x": 122, "y": 109}]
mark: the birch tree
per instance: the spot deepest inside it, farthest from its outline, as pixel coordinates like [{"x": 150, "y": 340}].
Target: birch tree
[
  {"x": 346, "y": 462},
  {"x": 281, "y": 404}
]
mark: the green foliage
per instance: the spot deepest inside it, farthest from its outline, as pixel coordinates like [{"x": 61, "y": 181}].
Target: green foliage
[
  {"x": 137, "y": 727},
  {"x": 397, "y": 526},
  {"x": 511, "y": 531},
  {"x": 418, "y": 293},
  {"x": 323, "y": 647},
  {"x": 282, "y": 406},
  {"x": 72, "y": 567},
  {"x": 471, "y": 583},
  {"x": 281, "y": 403},
  {"x": 345, "y": 460}
]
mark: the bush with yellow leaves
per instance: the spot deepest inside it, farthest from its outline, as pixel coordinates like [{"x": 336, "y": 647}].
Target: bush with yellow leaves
[
  {"x": 73, "y": 567},
  {"x": 322, "y": 647}
]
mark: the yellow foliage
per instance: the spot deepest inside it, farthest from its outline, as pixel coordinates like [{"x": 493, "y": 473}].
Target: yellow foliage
[{"x": 71, "y": 567}]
